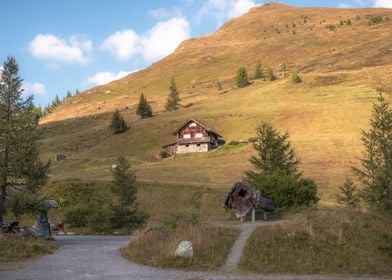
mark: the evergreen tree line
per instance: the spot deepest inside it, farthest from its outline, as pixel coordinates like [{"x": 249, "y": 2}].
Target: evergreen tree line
[
  {"x": 56, "y": 102},
  {"x": 266, "y": 74}
]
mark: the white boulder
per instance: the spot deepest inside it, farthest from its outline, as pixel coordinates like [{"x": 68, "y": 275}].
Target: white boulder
[{"x": 184, "y": 250}]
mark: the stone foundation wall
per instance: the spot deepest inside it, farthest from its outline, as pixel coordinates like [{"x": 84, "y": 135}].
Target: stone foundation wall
[{"x": 192, "y": 148}]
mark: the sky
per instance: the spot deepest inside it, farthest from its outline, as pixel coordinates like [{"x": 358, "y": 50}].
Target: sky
[{"x": 74, "y": 45}]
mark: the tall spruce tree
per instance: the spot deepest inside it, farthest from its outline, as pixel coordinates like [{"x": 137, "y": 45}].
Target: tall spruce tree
[
  {"x": 118, "y": 124},
  {"x": 258, "y": 71},
  {"x": 143, "y": 109},
  {"x": 274, "y": 152},
  {"x": 173, "y": 99},
  {"x": 20, "y": 166},
  {"x": 276, "y": 174},
  {"x": 376, "y": 170},
  {"x": 242, "y": 78},
  {"x": 125, "y": 209}
]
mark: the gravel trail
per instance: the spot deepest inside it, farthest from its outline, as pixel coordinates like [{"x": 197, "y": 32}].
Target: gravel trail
[{"x": 98, "y": 257}]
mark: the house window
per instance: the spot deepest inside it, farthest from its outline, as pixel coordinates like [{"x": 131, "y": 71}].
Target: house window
[
  {"x": 192, "y": 125},
  {"x": 187, "y": 136},
  {"x": 199, "y": 135}
]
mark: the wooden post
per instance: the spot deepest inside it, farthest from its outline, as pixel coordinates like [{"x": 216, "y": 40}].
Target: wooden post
[{"x": 253, "y": 214}]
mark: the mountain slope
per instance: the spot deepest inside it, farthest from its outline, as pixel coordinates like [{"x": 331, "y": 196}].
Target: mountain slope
[
  {"x": 342, "y": 70},
  {"x": 306, "y": 39}
]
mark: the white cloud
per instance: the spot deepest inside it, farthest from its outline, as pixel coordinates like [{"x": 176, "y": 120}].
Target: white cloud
[
  {"x": 343, "y": 5},
  {"x": 383, "y": 3},
  {"x": 164, "y": 37},
  {"x": 102, "y": 78},
  {"x": 157, "y": 42},
  {"x": 223, "y": 10},
  {"x": 34, "y": 88},
  {"x": 57, "y": 50},
  {"x": 122, "y": 44},
  {"x": 163, "y": 13}
]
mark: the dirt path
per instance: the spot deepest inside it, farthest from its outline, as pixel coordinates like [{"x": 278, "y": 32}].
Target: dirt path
[
  {"x": 247, "y": 229},
  {"x": 99, "y": 258}
]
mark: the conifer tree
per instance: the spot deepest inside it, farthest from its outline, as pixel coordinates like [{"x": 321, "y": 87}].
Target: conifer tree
[
  {"x": 296, "y": 78},
  {"x": 269, "y": 74},
  {"x": 143, "y": 109},
  {"x": 349, "y": 196},
  {"x": 375, "y": 172},
  {"x": 69, "y": 94},
  {"x": 118, "y": 124},
  {"x": 276, "y": 174},
  {"x": 242, "y": 78},
  {"x": 173, "y": 99},
  {"x": 125, "y": 208},
  {"x": 258, "y": 71},
  {"x": 274, "y": 152},
  {"x": 219, "y": 85},
  {"x": 20, "y": 166}
]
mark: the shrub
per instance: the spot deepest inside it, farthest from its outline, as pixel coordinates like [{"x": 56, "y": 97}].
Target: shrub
[
  {"x": 164, "y": 154},
  {"x": 296, "y": 79},
  {"x": 286, "y": 190},
  {"x": 77, "y": 216},
  {"x": 375, "y": 19}
]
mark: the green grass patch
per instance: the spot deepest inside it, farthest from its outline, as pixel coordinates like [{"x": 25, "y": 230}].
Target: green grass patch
[
  {"x": 14, "y": 248},
  {"x": 211, "y": 246},
  {"x": 323, "y": 242}
]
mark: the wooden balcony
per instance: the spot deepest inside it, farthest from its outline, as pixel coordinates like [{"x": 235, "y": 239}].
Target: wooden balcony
[{"x": 193, "y": 140}]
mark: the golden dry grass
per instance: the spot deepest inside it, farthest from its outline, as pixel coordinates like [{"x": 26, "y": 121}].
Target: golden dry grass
[
  {"x": 14, "y": 248},
  {"x": 156, "y": 247},
  {"x": 339, "y": 241}
]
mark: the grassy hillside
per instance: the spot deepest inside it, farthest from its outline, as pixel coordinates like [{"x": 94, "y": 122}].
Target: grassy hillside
[{"x": 342, "y": 68}]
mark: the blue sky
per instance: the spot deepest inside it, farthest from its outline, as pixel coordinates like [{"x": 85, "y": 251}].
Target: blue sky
[{"x": 77, "y": 44}]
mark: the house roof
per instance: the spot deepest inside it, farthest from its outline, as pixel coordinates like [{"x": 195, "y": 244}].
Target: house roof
[{"x": 199, "y": 123}]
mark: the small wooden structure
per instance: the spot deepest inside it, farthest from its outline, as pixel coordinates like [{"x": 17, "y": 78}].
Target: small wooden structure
[{"x": 193, "y": 137}]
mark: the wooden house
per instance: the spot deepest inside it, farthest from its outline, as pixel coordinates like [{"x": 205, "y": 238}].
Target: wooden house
[{"x": 194, "y": 137}]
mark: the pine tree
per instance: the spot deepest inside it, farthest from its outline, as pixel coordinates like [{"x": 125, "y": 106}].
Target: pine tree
[
  {"x": 375, "y": 172},
  {"x": 242, "y": 78},
  {"x": 69, "y": 95},
  {"x": 143, "y": 109},
  {"x": 349, "y": 196},
  {"x": 125, "y": 209},
  {"x": 283, "y": 70},
  {"x": 219, "y": 85},
  {"x": 258, "y": 71},
  {"x": 274, "y": 152},
  {"x": 118, "y": 124},
  {"x": 20, "y": 166},
  {"x": 173, "y": 99},
  {"x": 269, "y": 75},
  {"x": 276, "y": 174},
  {"x": 296, "y": 78}
]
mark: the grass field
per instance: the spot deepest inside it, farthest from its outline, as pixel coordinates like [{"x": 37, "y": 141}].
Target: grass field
[
  {"x": 14, "y": 248},
  {"x": 339, "y": 241},
  {"x": 324, "y": 123},
  {"x": 156, "y": 248}
]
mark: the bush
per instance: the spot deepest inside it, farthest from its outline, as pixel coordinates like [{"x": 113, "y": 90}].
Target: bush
[
  {"x": 286, "y": 190},
  {"x": 296, "y": 79},
  {"x": 100, "y": 220},
  {"x": 164, "y": 154},
  {"x": 77, "y": 216},
  {"x": 242, "y": 78},
  {"x": 375, "y": 19}
]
